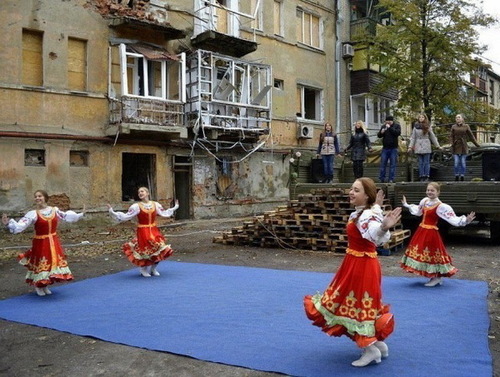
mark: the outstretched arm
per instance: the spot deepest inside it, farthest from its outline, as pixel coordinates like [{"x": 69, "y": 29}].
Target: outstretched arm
[
  {"x": 18, "y": 226},
  {"x": 447, "y": 213},
  {"x": 120, "y": 216},
  {"x": 70, "y": 216},
  {"x": 166, "y": 212}
]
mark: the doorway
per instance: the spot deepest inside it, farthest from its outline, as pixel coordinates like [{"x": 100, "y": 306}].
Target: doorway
[
  {"x": 183, "y": 186},
  {"x": 138, "y": 169}
]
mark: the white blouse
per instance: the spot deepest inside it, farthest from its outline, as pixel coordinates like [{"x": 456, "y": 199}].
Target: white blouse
[
  {"x": 134, "y": 211},
  {"x": 444, "y": 211},
  {"x": 370, "y": 224},
  {"x": 30, "y": 218}
]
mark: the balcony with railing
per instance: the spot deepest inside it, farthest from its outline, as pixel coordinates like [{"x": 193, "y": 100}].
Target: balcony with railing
[
  {"x": 362, "y": 28},
  {"x": 227, "y": 98},
  {"x": 146, "y": 118}
]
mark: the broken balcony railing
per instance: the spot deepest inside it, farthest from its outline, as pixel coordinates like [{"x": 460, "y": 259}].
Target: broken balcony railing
[{"x": 159, "y": 112}]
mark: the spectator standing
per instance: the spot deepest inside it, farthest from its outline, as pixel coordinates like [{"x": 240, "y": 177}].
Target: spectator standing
[
  {"x": 460, "y": 132},
  {"x": 358, "y": 144},
  {"x": 327, "y": 148},
  {"x": 389, "y": 133},
  {"x": 421, "y": 140}
]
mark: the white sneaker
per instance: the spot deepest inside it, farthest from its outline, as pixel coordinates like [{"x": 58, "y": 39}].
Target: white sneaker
[
  {"x": 370, "y": 353},
  {"x": 433, "y": 282},
  {"x": 144, "y": 272},
  {"x": 47, "y": 290},
  {"x": 382, "y": 347},
  {"x": 39, "y": 291}
]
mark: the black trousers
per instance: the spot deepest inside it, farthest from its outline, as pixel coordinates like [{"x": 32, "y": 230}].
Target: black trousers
[{"x": 357, "y": 167}]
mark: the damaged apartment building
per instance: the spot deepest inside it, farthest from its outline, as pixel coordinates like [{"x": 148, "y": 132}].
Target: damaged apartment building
[{"x": 201, "y": 101}]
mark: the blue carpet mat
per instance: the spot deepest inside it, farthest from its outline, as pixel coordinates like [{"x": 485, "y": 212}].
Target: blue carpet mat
[{"x": 254, "y": 318}]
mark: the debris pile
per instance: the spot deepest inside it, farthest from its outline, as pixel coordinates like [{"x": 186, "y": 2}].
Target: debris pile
[{"x": 315, "y": 221}]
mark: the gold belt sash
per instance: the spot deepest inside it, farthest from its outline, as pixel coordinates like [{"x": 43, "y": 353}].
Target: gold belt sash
[
  {"x": 371, "y": 254},
  {"x": 146, "y": 225},
  {"x": 425, "y": 226},
  {"x": 45, "y": 236}
]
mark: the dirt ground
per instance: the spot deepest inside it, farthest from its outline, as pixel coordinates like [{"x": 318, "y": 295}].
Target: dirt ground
[{"x": 95, "y": 250}]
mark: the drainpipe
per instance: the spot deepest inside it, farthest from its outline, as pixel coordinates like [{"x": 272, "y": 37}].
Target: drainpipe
[{"x": 338, "y": 59}]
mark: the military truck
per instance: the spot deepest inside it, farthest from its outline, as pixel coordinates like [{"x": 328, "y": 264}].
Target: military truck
[{"x": 479, "y": 193}]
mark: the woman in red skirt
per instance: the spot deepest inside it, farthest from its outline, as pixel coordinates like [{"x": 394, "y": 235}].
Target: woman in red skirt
[
  {"x": 426, "y": 254},
  {"x": 352, "y": 303},
  {"x": 149, "y": 247},
  {"x": 45, "y": 261}
]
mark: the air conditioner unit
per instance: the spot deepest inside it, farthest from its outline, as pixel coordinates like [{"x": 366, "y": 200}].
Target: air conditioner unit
[
  {"x": 347, "y": 50},
  {"x": 305, "y": 132}
]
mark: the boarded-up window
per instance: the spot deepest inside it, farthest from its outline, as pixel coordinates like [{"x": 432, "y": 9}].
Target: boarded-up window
[
  {"x": 32, "y": 58},
  {"x": 78, "y": 158},
  {"x": 278, "y": 24},
  {"x": 77, "y": 64},
  {"x": 308, "y": 28},
  {"x": 34, "y": 157}
]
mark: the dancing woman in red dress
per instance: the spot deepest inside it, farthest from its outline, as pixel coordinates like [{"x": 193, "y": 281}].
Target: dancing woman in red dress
[
  {"x": 149, "y": 247},
  {"x": 45, "y": 261},
  {"x": 352, "y": 303},
  {"x": 426, "y": 254}
]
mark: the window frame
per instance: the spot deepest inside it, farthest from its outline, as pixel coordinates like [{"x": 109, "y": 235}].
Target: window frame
[
  {"x": 319, "y": 103},
  {"x": 310, "y": 32},
  {"x": 143, "y": 64},
  {"x": 279, "y": 23}
]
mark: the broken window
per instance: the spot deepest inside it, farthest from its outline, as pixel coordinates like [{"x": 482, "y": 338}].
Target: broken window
[
  {"x": 77, "y": 64},
  {"x": 309, "y": 103},
  {"x": 254, "y": 9},
  {"x": 308, "y": 28},
  {"x": 152, "y": 72},
  {"x": 34, "y": 157},
  {"x": 227, "y": 93},
  {"x": 279, "y": 84},
  {"x": 78, "y": 158},
  {"x": 219, "y": 15},
  {"x": 32, "y": 58}
]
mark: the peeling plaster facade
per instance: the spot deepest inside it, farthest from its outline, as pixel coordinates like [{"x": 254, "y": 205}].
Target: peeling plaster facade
[{"x": 101, "y": 141}]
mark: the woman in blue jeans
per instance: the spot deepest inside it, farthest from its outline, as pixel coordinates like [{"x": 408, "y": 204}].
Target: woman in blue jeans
[
  {"x": 421, "y": 140},
  {"x": 460, "y": 132},
  {"x": 327, "y": 148}
]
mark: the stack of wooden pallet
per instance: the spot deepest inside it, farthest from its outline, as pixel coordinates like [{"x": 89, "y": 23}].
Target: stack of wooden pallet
[{"x": 315, "y": 221}]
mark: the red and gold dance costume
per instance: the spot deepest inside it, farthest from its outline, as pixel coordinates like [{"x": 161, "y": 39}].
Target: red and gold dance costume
[
  {"x": 45, "y": 261},
  {"x": 426, "y": 254},
  {"x": 149, "y": 246},
  {"x": 352, "y": 303}
]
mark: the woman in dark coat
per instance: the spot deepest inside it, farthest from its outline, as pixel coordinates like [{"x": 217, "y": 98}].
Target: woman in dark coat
[
  {"x": 460, "y": 132},
  {"x": 358, "y": 144}
]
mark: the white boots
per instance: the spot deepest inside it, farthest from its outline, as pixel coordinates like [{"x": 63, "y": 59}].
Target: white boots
[
  {"x": 42, "y": 291},
  {"x": 370, "y": 353},
  {"x": 152, "y": 272},
  {"x": 382, "y": 347},
  {"x": 433, "y": 282},
  {"x": 144, "y": 272}
]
